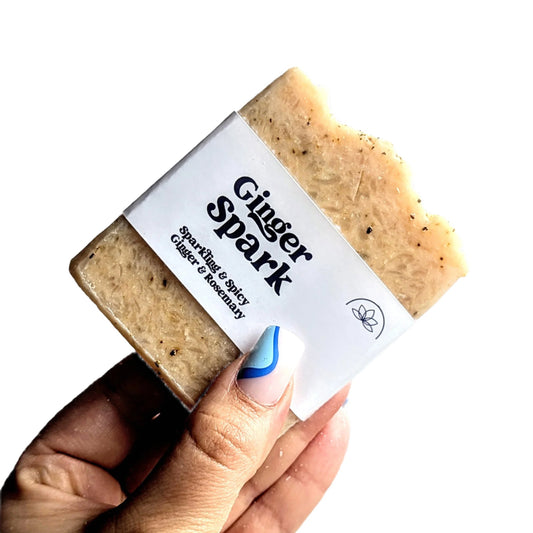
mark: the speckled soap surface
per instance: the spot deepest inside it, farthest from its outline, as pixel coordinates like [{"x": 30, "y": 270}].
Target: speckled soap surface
[{"x": 356, "y": 180}]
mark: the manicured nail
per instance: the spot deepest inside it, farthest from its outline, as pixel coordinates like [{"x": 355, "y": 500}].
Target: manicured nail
[{"x": 270, "y": 365}]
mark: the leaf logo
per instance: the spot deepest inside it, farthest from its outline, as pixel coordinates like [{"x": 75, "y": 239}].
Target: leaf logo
[
  {"x": 366, "y": 316},
  {"x": 369, "y": 313}
]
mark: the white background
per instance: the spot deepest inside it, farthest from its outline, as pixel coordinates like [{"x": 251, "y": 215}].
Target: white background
[{"x": 98, "y": 99}]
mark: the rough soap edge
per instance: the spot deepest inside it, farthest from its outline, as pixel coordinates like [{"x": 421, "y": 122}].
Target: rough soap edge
[{"x": 76, "y": 270}]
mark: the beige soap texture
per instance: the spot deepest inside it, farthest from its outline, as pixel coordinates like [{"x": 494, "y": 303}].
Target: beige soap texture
[{"x": 359, "y": 183}]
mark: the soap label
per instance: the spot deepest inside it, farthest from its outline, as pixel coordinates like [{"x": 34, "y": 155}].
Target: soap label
[{"x": 253, "y": 248}]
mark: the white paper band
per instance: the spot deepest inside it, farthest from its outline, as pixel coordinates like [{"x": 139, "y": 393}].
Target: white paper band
[{"x": 251, "y": 246}]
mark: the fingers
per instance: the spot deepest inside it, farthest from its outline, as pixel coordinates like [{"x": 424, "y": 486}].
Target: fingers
[
  {"x": 229, "y": 436},
  {"x": 288, "y": 502},
  {"x": 285, "y": 451},
  {"x": 108, "y": 421}
]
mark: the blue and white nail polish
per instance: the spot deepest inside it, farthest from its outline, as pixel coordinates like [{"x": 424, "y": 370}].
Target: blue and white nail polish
[{"x": 270, "y": 365}]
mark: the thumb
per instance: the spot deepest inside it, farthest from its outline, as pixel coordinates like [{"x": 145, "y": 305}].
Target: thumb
[{"x": 228, "y": 437}]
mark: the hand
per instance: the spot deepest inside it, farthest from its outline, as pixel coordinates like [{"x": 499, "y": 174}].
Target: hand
[{"x": 125, "y": 456}]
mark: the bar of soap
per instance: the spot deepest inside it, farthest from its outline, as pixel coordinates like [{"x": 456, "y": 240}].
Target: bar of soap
[{"x": 359, "y": 183}]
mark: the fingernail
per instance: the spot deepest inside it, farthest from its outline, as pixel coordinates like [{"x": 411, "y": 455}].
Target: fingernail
[{"x": 270, "y": 365}]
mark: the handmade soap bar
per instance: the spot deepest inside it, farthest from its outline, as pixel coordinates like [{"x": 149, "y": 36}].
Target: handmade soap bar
[{"x": 356, "y": 180}]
